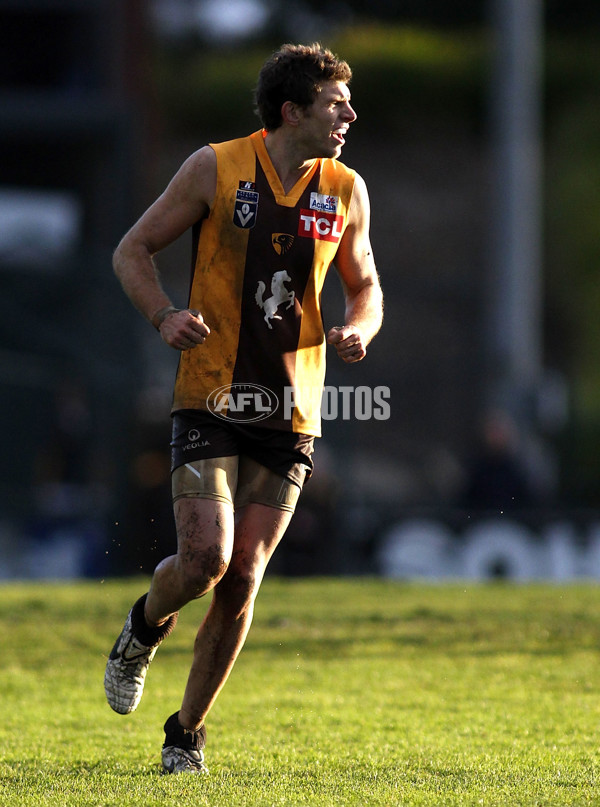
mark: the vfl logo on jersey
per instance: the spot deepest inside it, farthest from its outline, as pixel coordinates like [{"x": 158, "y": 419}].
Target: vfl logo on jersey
[
  {"x": 246, "y": 206},
  {"x": 323, "y": 202},
  {"x": 282, "y": 242},
  {"x": 323, "y": 226},
  {"x": 279, "y": 295}
]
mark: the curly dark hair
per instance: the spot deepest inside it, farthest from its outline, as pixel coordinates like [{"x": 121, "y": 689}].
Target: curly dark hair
[{"x": 295, "y": 73}]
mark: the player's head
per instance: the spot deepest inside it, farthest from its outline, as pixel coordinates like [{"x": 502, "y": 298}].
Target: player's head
[{"x": 295, "y": 73}]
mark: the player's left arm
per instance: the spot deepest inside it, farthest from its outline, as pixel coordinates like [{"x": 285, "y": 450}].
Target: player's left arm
[{"x": 362, "y": 291}]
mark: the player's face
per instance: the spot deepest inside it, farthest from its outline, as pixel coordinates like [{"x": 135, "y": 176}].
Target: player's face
[{"x": 326, "y": 121}]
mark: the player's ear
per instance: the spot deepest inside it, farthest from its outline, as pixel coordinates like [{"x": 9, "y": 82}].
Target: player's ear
[{"x": 290, "y": 113}]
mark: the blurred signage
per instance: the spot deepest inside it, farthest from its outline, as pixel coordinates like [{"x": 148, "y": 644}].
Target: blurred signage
[
  {"x": 491, "y": 548},
  {"x": 39, "y": 229}
]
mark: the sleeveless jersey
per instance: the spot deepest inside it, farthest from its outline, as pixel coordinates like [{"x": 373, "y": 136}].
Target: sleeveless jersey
[{"x": 259, "y": 263}]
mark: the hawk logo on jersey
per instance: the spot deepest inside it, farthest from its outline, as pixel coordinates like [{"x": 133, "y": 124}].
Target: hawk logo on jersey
[
  {"x": 279, "y": 295},
  {"x": 246, "y": 206},
  {"x": 282, "y": 242}
]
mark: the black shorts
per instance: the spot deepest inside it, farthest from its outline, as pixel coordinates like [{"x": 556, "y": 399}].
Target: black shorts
[{"x": 199, "y": 435}]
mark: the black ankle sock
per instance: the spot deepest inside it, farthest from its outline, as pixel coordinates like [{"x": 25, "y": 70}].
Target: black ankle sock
[
  {"x": 148, "y": 634},
  {"x": 176, "y": 734}
]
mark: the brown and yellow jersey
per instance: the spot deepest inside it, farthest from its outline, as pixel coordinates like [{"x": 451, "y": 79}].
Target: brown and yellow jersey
[{"x": 261, "y": 257}]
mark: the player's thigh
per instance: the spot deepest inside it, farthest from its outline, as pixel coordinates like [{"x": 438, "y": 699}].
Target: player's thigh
[
  {"x": 203, "y": 494},
  {"x": 259, "y": 484},
  {"x": 205, "y": 536},
  {"x": 259, "y": 528},
  {"x": 264, "y": 505}
]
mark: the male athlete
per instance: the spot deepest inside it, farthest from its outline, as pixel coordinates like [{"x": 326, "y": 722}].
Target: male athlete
[{"x": 269, "y": 213}]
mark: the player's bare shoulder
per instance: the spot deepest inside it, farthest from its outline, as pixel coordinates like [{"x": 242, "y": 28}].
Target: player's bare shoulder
[
  {"x": 197, "y": 177},
  {"x": 204, "y": 160},
  {"x": 360, "y": 206}
]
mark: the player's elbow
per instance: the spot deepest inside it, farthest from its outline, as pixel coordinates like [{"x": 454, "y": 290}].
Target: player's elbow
[{"x": 130, "y": 252}]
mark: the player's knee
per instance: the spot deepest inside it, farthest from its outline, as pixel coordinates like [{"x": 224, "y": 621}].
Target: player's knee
[
  {"x": 201, "y": 570},
  {"x": 239, "y": 587}
]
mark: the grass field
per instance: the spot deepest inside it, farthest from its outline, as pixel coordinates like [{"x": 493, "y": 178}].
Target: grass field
[{"x": 348, "y": 692}]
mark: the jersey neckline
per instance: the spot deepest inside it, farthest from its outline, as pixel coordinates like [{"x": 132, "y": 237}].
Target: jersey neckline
[{"x": 281, "y": 197}]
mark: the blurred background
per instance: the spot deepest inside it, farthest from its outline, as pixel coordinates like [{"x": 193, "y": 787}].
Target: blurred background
[{"x": 477, "y": 135}]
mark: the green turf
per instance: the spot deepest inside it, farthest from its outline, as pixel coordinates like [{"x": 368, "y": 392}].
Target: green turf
[{"x": 348, "y": 692}]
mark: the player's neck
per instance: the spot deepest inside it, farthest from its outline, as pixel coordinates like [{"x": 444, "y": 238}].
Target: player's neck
[{"x": 289, "y": 163}]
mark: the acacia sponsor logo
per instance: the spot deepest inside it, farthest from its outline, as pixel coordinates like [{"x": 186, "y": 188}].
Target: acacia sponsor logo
[
  {"x": 244, "y": 402},
  {"x": 323, "y": 202}
]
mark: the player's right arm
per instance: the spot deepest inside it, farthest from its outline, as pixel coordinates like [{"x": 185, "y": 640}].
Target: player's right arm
[
  {"x": 186, "y": 200},
  {"x": 362, "y": 291}
]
